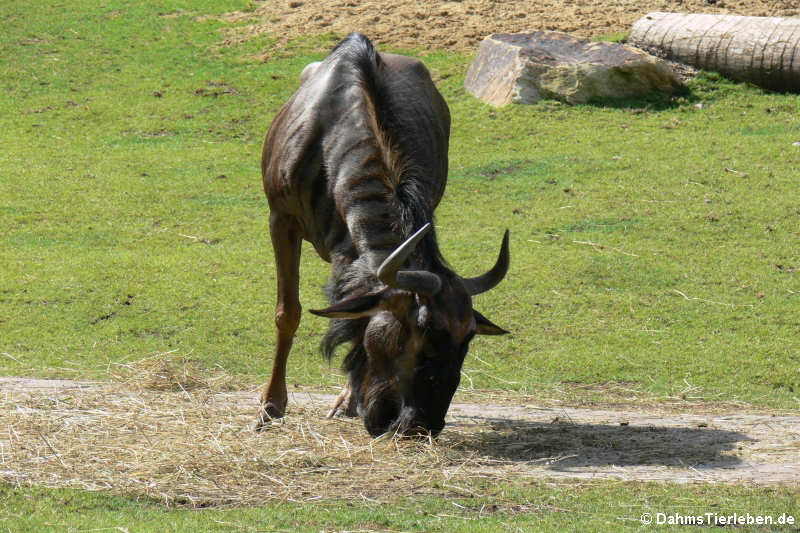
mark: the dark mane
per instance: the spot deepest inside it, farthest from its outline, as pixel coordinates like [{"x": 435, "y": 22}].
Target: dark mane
[{"x": 411, "y": 200}]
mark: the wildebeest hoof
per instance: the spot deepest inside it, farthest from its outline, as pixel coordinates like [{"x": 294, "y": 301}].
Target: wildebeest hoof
[
  {"x": 269, "y": 415},
  {"x": 344, "y": 405},
  {"x": 340, "y": 411}
]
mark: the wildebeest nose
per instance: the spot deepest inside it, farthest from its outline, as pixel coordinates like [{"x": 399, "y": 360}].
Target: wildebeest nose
[{"x": 412, "y": 423}]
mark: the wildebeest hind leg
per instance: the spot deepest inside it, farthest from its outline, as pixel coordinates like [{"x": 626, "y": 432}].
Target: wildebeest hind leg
[{"x": 286, "y": 243}]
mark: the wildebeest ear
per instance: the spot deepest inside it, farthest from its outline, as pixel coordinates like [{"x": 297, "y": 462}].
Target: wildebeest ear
[
  {"x": 484, "y": 326},
  {"x": 357, "y": 307}
]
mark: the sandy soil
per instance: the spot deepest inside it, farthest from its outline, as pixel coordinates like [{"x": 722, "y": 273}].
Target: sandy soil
[
  {"x": 462, "y": 24},
  {"x": 197, "y": 447}
]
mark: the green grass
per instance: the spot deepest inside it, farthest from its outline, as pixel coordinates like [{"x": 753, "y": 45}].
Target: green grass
[
  {"x": 613, "y": 37},
  {"x": 536, "y": 506},
  {"x": 654, "y": 244}
]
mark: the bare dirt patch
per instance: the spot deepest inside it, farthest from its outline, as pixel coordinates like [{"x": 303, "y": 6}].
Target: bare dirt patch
[
  {"x": 194, "y": 445},
  {"x": 460, "y": 25}
]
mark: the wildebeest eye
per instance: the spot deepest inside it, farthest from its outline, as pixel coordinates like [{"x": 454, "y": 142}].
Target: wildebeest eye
[
  {"x": 439, "y": 342},
  {"x": 465, "y": 343}
]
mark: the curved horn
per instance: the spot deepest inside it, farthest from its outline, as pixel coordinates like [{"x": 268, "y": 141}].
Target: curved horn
[
  {"x": 420, "y": 281},
  {"x": 387, "y": 272},
  {"x": 494, "y": 276}
]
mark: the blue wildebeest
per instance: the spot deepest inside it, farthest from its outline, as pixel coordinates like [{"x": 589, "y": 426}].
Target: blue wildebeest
[{"x": 355, "y": 163}]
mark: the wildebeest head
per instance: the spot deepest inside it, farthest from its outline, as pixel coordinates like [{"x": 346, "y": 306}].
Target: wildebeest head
[{"x": 419, "y": 326}]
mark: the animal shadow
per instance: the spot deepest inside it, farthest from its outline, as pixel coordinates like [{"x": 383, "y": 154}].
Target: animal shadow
[{"x": 564, "y": 444}]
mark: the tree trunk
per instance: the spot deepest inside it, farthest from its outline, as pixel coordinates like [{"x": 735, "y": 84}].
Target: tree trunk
[{"x": 762, "y": 50}]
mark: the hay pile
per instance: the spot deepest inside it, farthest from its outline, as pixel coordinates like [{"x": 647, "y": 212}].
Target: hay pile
[{"x": 163, "y": 431}]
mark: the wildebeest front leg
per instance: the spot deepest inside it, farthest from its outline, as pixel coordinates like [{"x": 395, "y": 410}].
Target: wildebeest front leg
[{"x": 286, "y": 242}]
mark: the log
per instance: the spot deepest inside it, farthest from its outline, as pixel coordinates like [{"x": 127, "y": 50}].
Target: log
[{"x": 762, "y": 50}]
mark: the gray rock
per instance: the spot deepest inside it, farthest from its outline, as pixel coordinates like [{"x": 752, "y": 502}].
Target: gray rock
[{"x": 528, "y": 67}]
